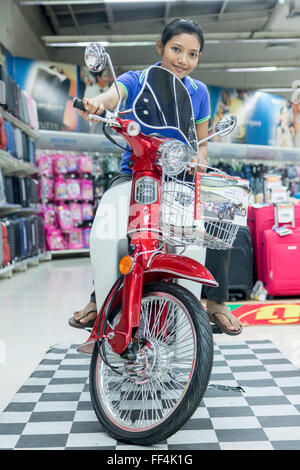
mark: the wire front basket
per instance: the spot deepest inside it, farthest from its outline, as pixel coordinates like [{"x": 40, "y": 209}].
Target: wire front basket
[{"x": 204, "y": 209}]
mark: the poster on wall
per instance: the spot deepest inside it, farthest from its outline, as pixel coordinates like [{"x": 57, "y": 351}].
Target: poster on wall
[
  {"x": 53, "y": 86},
  {"x": 263, "y": 118},
  {"x": 90, "y": 85}
]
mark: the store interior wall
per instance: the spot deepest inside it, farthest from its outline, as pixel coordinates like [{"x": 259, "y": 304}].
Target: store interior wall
[{"x": 21, "y": 29}]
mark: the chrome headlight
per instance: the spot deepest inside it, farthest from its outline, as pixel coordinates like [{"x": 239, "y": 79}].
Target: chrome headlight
[{"x": 175, "y": 155}]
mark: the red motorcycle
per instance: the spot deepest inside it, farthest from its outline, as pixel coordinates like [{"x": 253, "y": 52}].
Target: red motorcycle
[{"x": 151, "y": 344}]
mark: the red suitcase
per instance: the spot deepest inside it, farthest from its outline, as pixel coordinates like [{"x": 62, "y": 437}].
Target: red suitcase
[
  {"x": 259, "y": 220},
  {"x": 5, "y": 245},
  {"x": 281, "y": 261}
]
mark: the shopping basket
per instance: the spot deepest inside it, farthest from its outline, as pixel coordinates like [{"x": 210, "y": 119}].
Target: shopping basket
[{"x": 204, "y": 209}]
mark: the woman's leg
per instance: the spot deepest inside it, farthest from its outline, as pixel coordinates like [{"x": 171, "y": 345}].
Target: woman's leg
[
  {"x": 89, "y": 312},
  {"x": 217, "y": 262}
]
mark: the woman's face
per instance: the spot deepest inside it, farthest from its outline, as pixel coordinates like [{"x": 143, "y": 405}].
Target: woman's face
[{"x": 180, "y": 54}]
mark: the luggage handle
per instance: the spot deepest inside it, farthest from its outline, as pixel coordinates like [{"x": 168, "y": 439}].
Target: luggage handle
[{"x": 276, "y": 218}]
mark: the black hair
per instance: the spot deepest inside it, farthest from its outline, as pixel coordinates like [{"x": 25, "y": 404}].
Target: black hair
[{"x": 179, "y": 26}]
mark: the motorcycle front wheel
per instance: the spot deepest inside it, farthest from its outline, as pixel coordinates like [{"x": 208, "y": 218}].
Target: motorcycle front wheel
[{"x": 147, "y": 400}]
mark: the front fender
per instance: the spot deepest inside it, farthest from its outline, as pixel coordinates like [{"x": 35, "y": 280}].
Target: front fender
[{"x": 167, "y": 266}]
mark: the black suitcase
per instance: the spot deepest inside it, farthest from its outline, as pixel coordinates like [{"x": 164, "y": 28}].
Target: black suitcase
[
  {"x": 35, "y": 235},
  {"x": 19, "y": 190},
  {"x": 25, "y": 142},
  {"x": 18, "y": 238},
  {"x": 29, "y": 237},
  {"x": 9, "y": 190},
  {"x": 41, "y": 235},
  {"x": 11, "y": 232},
  {"x": 240, "y": 276}
]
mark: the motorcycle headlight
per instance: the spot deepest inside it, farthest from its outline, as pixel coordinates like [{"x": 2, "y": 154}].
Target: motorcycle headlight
[{"x": 175, "y": 155}]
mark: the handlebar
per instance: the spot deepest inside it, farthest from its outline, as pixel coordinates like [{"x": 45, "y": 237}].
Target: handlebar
[{"x": 78, "y": 103}]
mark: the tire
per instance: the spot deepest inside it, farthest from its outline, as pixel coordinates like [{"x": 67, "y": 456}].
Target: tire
[
  {"x": 194, "y": 328},
  {"x": 221, "y": 215},
  {"x": 243, "y": 212}
]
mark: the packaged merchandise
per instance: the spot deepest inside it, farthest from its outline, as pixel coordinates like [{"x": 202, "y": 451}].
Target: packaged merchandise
[
  {"x": 71, "y": 163},
  {"x": 73, "y": 189},
  {"x": 76, "y": 212},
  {"x": 55, "y": 239},
  {"x": 64, "y": 218},
  {"x": 86, "y": 237},
  {"x": 87, "y": 191},
  {"x": 75, "y": 239},
  {"x": 87, "y": 211},
  {"x": 60, "y": 189},
  {"x": 44, "y": 164},
  {"x": 49, "y": 216},
  {"x": 84, "y": 164},
  {"x": 45, "y": 189},
  {"x": 60, "y": 165}
]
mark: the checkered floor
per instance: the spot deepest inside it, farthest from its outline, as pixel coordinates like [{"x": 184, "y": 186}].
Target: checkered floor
[{"x": 252, "y": 402}]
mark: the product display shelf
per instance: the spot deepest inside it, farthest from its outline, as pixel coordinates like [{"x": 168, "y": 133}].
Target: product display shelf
[
  {"x": 17, "y": 209},
  {"x": 18, "y": 123},
  {"x": 75, "y": 142},
  {"x": 63, "y": 253},
  {"x": 23, "y": 265},
  {"x": 12, "y": 165}
]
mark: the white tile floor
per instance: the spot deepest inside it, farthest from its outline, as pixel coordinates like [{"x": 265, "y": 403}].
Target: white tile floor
[{"x": 35, "y": 306}]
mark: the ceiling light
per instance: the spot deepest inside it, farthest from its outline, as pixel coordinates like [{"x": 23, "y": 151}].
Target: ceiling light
[
  {"x": 277, "y": 90},
  {"x": 104, "y": 43},
  {"x": 253, "y": 69},
  {"x": 84, "y": 2}
]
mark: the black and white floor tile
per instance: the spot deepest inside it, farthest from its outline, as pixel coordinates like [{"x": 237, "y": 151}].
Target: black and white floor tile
[{"x": 252, "y": 402}]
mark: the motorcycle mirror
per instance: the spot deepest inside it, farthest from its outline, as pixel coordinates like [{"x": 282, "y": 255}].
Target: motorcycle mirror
[
  {"x": 95, "y": 57},
  {"x": 226, "y": 125}
]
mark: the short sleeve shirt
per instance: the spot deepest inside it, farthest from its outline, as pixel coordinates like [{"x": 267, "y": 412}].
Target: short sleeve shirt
[{"x": 132, "y": 83}]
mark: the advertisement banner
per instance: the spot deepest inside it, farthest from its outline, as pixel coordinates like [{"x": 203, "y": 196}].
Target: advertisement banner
[
  {"x": 263, "y": 118},
  {"x": 53, "y": 86}
]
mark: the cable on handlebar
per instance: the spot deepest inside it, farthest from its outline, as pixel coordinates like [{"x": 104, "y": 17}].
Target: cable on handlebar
[{"x": 110, "y": 138}]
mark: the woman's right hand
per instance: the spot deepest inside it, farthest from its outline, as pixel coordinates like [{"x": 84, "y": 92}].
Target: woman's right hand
[{"x": 92, "y": 106}]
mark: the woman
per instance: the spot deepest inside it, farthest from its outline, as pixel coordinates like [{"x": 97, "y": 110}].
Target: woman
[{"x": 180, "y": 48}]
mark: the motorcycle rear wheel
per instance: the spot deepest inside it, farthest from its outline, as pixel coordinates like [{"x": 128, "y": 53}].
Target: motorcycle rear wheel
[{"x": 153, "y": 397}]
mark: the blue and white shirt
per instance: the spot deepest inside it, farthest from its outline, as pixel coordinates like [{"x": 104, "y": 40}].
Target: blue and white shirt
[{"x": 132, "y": 83}]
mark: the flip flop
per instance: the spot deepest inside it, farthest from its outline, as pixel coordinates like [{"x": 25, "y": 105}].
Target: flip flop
[
  {"x": 76, "y": 324},
  {"x": 214, "y": 319}
]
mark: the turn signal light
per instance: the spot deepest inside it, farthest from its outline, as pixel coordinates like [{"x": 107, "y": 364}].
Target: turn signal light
[{"x": 126, "y": 264}]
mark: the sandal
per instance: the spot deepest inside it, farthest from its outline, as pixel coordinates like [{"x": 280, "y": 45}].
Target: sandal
[
  {"x": 223, "y": 310},
  {"x": 76, "y": 324}
]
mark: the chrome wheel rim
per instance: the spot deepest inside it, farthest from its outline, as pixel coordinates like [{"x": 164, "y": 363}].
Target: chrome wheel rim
[{"x": 148, "y": 390}]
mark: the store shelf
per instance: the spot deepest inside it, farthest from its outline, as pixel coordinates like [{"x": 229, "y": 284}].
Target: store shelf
[
  {"x": 61, "y": 253},
  {"x": 79, "y": 141},
  {"x": 17, "y": 209},
  {"x": 258, "y": 153},
  {"x": 23, "y": 265},
  {"x": 14, "y": 166},
  {"x": 16, "y": 122}
]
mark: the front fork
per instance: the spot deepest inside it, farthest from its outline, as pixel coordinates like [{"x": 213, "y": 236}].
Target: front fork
[{"x": 121, "y": 335}]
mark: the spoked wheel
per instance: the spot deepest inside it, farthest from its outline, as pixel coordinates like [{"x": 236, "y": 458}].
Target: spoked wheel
[{"x": 147, "y": 400}]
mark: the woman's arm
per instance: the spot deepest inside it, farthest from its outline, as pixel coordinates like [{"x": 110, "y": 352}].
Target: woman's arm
[
  {"x": 202, "y": 133},
  {"x": 107, "y": 100}
]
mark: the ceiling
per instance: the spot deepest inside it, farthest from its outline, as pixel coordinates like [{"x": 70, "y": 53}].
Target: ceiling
[{"x": 239, "y": 34}]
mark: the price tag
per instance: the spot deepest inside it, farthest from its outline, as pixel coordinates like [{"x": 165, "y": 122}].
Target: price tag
[
  {"x": 279, "y": 194},
  {"x": 285, "y": 213}
]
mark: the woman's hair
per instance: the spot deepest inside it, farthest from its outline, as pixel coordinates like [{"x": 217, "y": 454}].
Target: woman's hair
[{"x": 179, "y": 26}]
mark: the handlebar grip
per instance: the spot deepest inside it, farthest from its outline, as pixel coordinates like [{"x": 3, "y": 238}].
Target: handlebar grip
[{"x": 78, "y": 103}]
